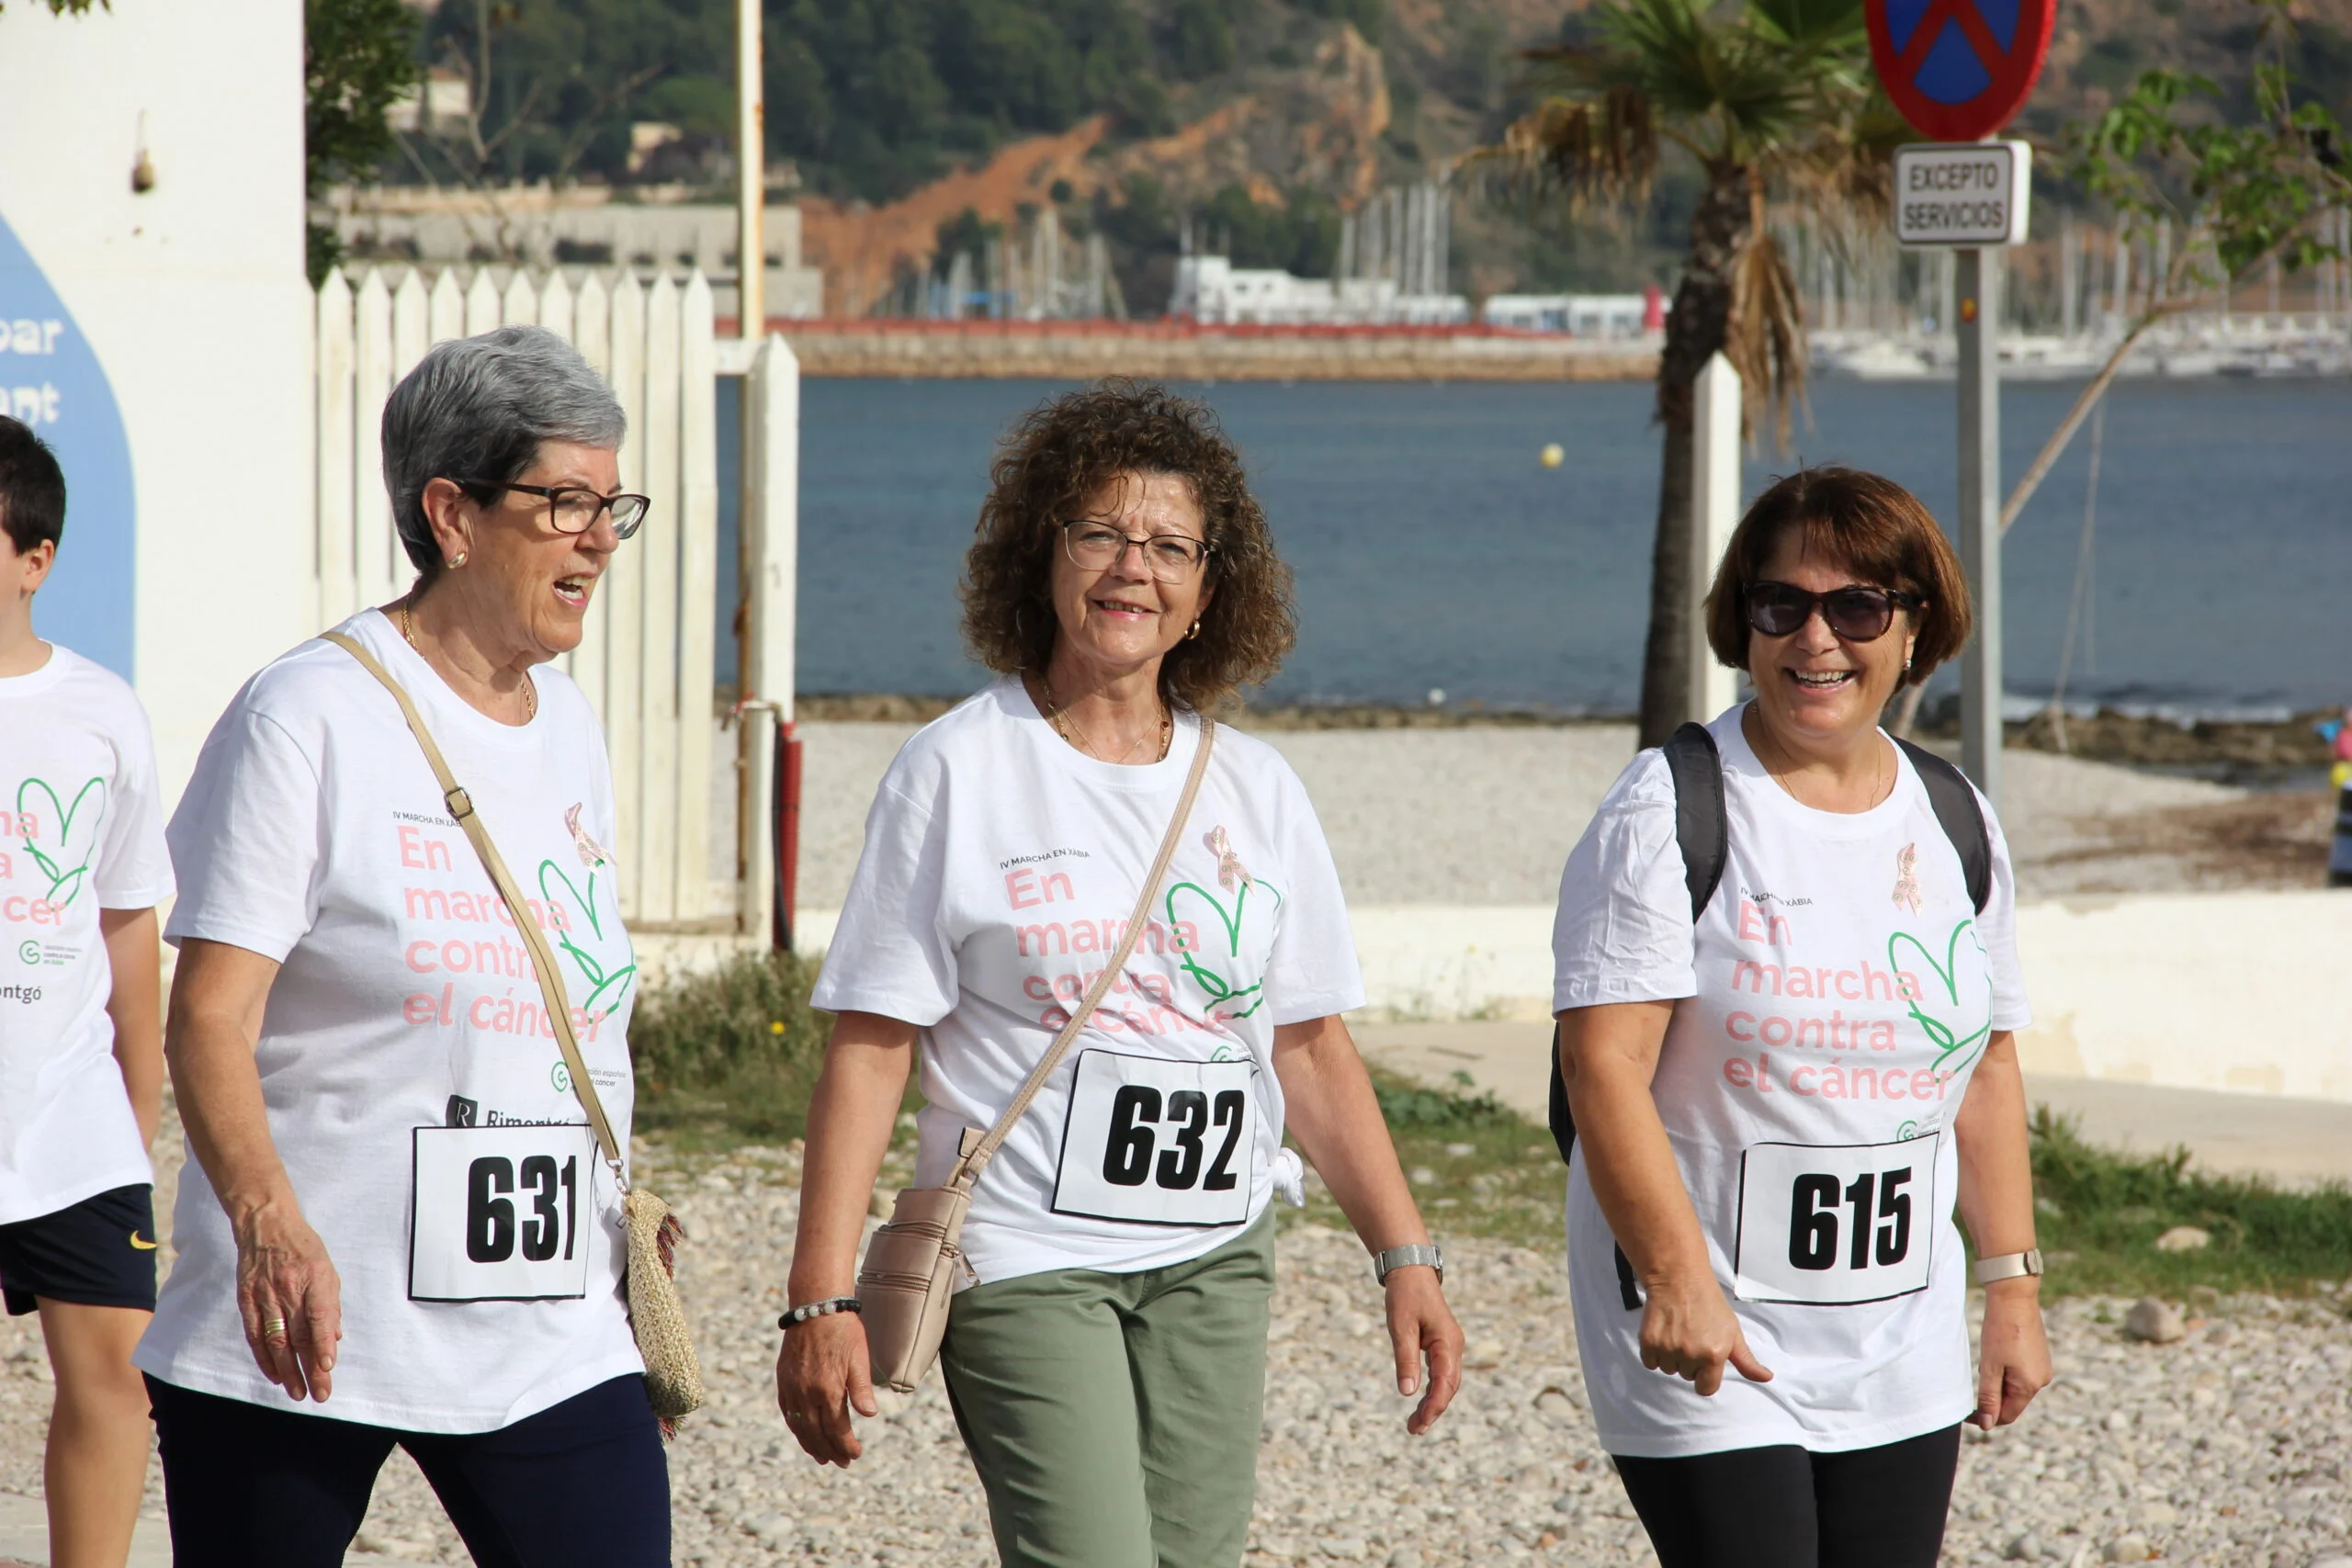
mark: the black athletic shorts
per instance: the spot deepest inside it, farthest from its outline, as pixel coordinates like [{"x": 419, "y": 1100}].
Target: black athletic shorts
[{"x": 98, "y": 1252}]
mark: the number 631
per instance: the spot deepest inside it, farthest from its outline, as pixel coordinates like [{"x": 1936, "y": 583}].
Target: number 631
[{"x": 1813, "y": 1219}]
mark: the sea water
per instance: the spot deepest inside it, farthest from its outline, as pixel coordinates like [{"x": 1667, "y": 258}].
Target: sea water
[{"x": 1433, "y": 553}]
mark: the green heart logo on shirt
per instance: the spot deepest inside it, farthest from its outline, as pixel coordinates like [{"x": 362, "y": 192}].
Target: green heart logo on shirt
[
  {"x": 605, "y": 987},
  {"x": 1218, "y": 973},
  {"x": 74, "y": 849},
  {"x": 1953, "y": 1023}
]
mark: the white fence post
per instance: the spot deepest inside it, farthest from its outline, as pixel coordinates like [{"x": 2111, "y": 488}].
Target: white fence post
[
  {"x": 337, "y": 596},
  {"x": 481, "y": 304},
  {"x": 697, "y": 594},
  {"x": 624, "y": 591},
  {"x": 376, "y": 545},
  {"x": 1715, "y": 510},
  {"x": 592, "y": 333},
  {"x": 447, "y": 309},
  {"x": 770, "y": 561},
  {"x": 659, "y": 548}
]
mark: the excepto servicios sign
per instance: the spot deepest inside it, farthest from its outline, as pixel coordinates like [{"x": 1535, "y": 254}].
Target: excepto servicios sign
[{"x": 1962, "y": 192}]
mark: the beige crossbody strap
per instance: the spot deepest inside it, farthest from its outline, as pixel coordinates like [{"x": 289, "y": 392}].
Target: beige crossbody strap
[
  {"x": 976, "y": 1157},
  {"x": 461, "y": 808}
]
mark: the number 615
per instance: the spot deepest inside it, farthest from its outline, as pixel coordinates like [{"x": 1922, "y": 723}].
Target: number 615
[{"x": 1813, "y": 1219}]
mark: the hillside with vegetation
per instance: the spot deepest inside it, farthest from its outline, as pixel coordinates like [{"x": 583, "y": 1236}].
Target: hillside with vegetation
[{"x": 1258, "y": 120}]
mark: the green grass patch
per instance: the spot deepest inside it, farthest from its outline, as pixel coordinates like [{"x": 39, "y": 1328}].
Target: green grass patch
[
  {"x": 730, "y": 1057},
  {"x": 2100, "y": 1213},
  {"x": 1478, "y": 1167}
]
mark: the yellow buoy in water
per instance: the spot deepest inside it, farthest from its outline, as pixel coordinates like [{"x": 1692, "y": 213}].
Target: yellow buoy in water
[{"x": 1553, "y": 455}]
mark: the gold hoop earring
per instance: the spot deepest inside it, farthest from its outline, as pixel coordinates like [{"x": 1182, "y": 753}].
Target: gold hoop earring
[{"x": 1193, "y": 633}]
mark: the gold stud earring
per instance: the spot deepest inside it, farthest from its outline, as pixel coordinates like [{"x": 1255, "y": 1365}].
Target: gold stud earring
[{"x": 457, "y": 560}]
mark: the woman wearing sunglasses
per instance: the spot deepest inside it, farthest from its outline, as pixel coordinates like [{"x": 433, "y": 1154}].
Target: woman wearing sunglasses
[{"x": 1780, "y": 1099}]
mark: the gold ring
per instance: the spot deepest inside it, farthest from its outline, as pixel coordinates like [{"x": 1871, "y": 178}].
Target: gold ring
[{"x": 273, "y": 1328}]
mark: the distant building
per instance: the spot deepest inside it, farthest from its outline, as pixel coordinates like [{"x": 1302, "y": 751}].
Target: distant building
[
  {"x": 541, "y": 227},
  {"x": 1212, "y": 290},
  {"x": 1391, "y": 271},
  {"x": 444, "y": 101},
  {"x": 1577, "y": 315}
]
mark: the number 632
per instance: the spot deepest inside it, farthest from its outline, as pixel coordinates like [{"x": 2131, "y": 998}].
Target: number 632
[
  {"x": 1126, "y": 1157},
  {"x": 1813, "y": 1219}
]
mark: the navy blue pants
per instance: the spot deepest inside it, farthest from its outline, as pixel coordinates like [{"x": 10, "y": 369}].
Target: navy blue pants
[
  {"x": 1782, "y": 1508},
  {"x": 581, "y": 1485}
]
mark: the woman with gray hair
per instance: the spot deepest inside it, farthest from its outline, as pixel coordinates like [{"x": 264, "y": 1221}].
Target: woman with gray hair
[{"x": 395, "y": 1212}]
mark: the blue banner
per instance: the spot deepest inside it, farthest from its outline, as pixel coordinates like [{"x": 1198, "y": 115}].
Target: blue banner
[{"x": 50, "y": 379}]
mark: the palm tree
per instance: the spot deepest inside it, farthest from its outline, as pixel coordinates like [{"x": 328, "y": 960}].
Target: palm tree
[{"x": 1773, "y": 99}]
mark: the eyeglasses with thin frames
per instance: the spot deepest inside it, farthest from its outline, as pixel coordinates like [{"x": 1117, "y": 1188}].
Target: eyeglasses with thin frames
[
  {"x": 1857, "y": 613},
  {"x": 1095, "y": 546},
  {"x": 574, "y": 510}
]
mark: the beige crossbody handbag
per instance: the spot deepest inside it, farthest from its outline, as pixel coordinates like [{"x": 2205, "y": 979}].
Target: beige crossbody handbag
[
  {"x": 912, "y": 1263},
  {"x": 673, "y": 1377}
]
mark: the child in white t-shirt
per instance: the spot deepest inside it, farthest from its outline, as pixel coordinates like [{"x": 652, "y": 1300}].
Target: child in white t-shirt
[{"x": 82, "y": 867}]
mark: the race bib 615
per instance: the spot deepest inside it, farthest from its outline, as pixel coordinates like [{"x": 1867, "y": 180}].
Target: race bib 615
[
  {"x": 501, "y": 1214},
  {"x": 1158, "y": 1142},
  {"x": 1835, "y": 1225}
]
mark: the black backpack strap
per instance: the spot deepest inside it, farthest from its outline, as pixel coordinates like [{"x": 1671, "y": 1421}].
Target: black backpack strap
[
  {"x": 1962, "y": 819},
  {"x": 1701, "y": 824},
  {"x": 1702, "y": 832}
]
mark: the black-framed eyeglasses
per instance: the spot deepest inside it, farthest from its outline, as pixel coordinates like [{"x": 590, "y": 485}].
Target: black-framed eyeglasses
[
  {"x": 1095, "y": 546},
  {"x": 1857, "y": 613},
  {"x": 574, "y": 510}
]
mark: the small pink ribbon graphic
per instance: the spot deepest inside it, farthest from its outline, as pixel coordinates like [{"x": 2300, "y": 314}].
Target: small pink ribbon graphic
[
  {"x": 592, "y": 853},
  {"x": 1230, "y": 872},
  {"x": 1906, "y": 884}
]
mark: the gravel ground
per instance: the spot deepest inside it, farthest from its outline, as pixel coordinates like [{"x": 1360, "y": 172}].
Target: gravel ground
[
  {"x": 1488, "y": 816},
  {"x": 2226, "y": 1449}
]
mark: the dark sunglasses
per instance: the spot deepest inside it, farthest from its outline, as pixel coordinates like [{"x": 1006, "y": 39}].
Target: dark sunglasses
[{"x": 1856, "y": 613}]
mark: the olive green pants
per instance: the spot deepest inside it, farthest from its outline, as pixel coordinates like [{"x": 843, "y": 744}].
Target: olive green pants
[{"x": 1114, "y": 1417}]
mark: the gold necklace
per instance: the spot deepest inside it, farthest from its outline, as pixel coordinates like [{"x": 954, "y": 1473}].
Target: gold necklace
[
  {"x": 530, "y": 691},
  {"x": 1881, "y": 780},
  {"x": 1054, "y": 716}
]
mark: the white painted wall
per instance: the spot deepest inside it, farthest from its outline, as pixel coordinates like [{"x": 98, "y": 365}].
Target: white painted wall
[
  {"x": 192, "y": 296},
  {"x": 2247, "y": 992}
]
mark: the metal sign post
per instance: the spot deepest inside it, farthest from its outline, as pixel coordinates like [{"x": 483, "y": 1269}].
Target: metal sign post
[
  {"x": 1978, "y": 292},
  {"x": 1959, "y": 70},
  {"x": 1974, "y": 197}
]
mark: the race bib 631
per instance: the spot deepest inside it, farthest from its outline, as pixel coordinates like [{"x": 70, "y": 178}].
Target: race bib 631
[
  {"x": 501, "y": 1214},
  {"x": 1158, "y": 1142}
]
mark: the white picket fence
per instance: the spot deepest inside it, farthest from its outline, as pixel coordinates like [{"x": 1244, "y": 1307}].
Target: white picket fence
[{"x": 647, "y": 661}]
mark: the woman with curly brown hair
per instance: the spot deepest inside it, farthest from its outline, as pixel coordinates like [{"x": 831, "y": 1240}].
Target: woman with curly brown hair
[{"x": 1106, "y": 1359}]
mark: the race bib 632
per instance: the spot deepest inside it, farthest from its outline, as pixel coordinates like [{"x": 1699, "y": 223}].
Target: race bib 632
[{"x": 1158, "y": 1142}]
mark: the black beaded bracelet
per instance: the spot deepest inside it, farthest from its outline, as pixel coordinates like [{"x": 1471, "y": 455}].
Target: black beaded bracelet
[{"x": 825, "y": 1308}]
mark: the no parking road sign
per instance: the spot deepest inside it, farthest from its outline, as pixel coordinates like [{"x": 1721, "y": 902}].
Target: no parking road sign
[{"x": 1959, "y": 69}]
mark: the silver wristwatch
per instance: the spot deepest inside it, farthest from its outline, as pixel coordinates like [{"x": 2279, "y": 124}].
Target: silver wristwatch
[
  {"x": 1384, "y": 1263},
  {"x": 2007, "y": 1265}
]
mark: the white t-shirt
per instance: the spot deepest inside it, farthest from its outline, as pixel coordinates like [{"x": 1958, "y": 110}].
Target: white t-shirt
[
  {"x": 1000, "y": 866},
  {"x": 414, "y": 1086},
  {"x": 81, "y": 829},
  {"x": 1829, "y": 1009}
]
